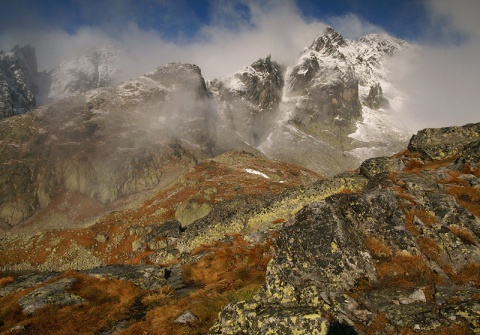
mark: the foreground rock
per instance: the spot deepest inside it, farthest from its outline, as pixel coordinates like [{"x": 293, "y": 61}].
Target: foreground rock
[
  {"x": 402, "y": 256},
  {"x": 52, "y": 294}
]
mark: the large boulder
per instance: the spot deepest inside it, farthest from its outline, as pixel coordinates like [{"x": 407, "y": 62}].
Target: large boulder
[{"x": 439, "y": 143}]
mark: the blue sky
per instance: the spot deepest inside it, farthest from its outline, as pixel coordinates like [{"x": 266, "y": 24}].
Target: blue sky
[
  {"x": 182, "y": 19},
  {"x": 440, "y": 82},
  {"x": 59, "y": 29}
]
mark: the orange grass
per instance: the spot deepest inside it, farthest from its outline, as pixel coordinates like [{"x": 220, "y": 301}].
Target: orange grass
[
  {"x": 468, "y": 197},
  {"x": 426, "y": 218},
  {"x": 405, "y": 270},
  {"x": 469, "y": 169},
  {"x": 378, "y": 325},
  {"x": 378, "y": 248},
  {"x": 6, "y": 280},
  {"x": 464, "y": 235},
  {"x": 228, "y": 272},
  {"x": 469, "y": 274},
  {"x": 107, "y": 300}
]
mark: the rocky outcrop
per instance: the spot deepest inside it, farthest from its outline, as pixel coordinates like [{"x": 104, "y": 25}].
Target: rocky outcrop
[
  {"x": 401, "y": 256},
  {"x": 374, "y": 166},
  {"x": 18, "y": 69},
  {"x": 375, "y": 98},
  {"x": 26, "y": 281},
  {"x": 144, "y": 276},
  {"x": 332, "y": 89},
  {"x": 52, "y": 294},
  {"x": 441, "y": 143},
  {"x": 391, "y": 248}
]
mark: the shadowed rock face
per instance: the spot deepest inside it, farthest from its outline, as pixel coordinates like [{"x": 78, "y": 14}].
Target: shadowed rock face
[
  {"x": 247, "y": 101},
  {"x": 333, "y": 113},
  {"x": 331, "y": 89}
]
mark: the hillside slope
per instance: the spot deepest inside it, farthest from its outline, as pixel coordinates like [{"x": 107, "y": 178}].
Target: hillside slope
[{"x": 393, "y": 248}]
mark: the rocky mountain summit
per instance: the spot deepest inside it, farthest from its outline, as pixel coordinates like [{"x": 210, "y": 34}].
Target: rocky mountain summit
[
  {"x": 24, "y": 88},
  {"x": 391, "y": 248},
  {"x": 96, "y": 68},
  {"x": 107, "y": 144},
  {"x": 335, "y": 102}
]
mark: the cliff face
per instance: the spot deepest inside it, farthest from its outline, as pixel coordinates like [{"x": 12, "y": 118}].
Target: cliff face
[
  {"x": 18, "y": 69},
  {"x": 336, "y": 104},
  {"x": 108, "y": 144},
  {"x": 94, "y": 69},
  {"x": 247, "y": 100}
]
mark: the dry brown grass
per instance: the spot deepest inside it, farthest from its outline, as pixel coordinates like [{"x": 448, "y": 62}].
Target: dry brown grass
[
  {"x": 464, "y": 235},
  {"x": 430, "y": 248},
  {"x": 469, "y": 274},
  {"x": 378, "y": 248},
  {"x": 469, "y": 169},
  {"x": 414, "y": 166},
  {"x": 427, "y": 218},
  {"x": 10, "y": 312},
  {"x": 405, "y": 270},
  {"x": 408, "y": 154},
  {"x": 107, "y": 301},
  {"x": 159, "y": 297},
  {"x": 228, "y": 272},
  {"x": 468, "y": 197},
  {"x": 6, "y": 280},
  {"x": 230, "y": 262}
]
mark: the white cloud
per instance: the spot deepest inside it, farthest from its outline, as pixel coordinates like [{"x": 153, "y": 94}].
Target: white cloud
[
  {"x": 441, "y": 81},
  {"x": 277, "y": 29},
  {"x": 351, "y": 26},
  {"x": 232, "y": 41}
]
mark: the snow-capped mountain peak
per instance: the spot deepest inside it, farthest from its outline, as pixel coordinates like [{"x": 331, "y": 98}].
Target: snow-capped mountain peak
[
  {"x": 96, "y": 68},
  {"x": 328, "y": 42}
]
